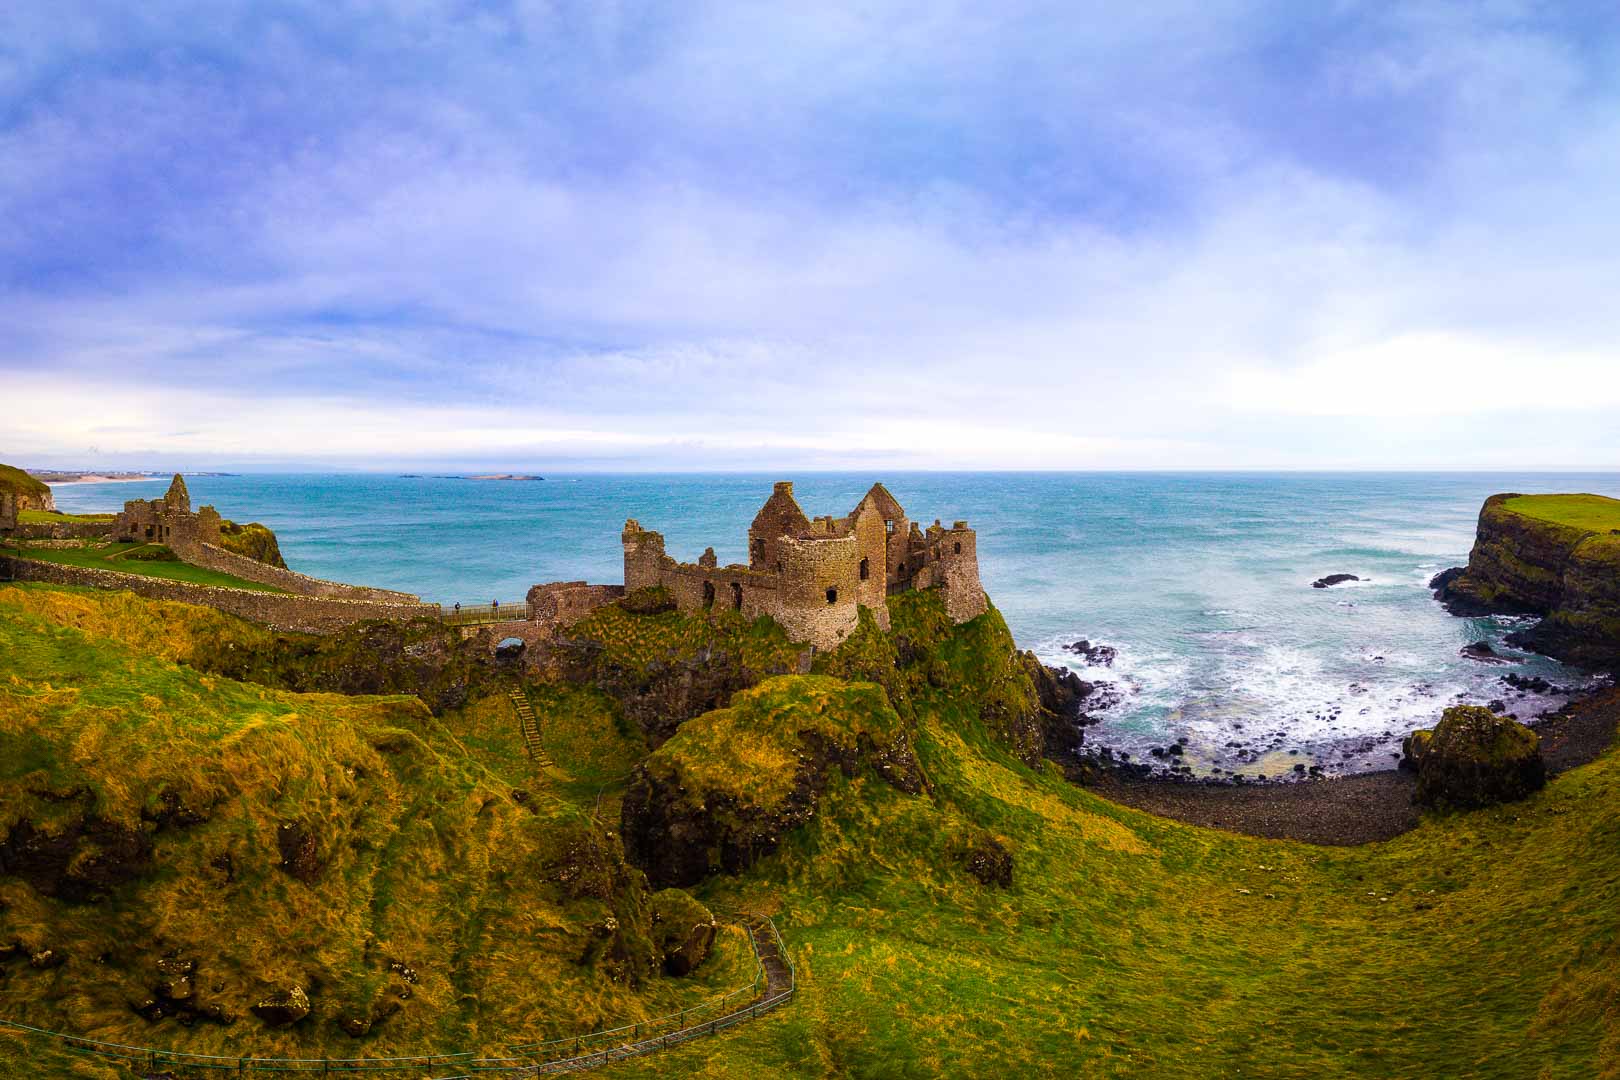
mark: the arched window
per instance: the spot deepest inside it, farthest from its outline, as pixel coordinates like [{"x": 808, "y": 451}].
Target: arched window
[
  {"x": 959, "y": 547},
  {"x": 708, "y": 595},
  {"x": 759, "y": 548},
  {"x": 736, "y": 596},
  {"x": 832, "y": 596},
  {"x": 866, "y": 569}
]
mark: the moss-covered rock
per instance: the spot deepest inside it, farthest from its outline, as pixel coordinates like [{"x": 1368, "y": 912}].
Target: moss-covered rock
[
  {"x": 730, "y": 784},
  {"x": 1474, "y": 758},
  {"x": 683, "y": 930},
  {"x": 253, "y": 540}
]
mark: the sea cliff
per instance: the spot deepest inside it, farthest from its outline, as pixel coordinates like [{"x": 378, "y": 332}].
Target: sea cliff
[{"x": 1557, "y": 556}]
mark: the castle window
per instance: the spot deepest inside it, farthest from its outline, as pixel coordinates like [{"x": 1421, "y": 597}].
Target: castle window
[
  {"x": 888, "y": 525},
  {"x": 959, "y": 547},
  {"x": 759, "y": 549},
  {"x": 736, "y": 596},
  {"x": 866, "y": 569},
  {"x": 708, "y": 595},
  {"x": 832, "y": 596}
]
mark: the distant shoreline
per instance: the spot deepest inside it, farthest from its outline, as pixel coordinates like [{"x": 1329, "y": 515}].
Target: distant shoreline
[{"x": 96, "y": 478}]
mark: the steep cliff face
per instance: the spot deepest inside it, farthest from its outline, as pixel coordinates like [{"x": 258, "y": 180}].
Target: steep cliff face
[{"x": 1550, "y": 555}]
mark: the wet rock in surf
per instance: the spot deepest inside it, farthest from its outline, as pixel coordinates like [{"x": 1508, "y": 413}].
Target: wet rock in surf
[
  {"x": 1332, "y": 580},
  {"x": 1096, "y": 655}
]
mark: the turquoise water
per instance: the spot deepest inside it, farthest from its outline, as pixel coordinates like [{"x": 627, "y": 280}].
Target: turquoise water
[{"x": 1201, "y": 581}]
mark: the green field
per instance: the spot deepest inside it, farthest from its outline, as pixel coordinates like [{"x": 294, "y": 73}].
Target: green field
[
  {"x": 1481, "y": 945},
  {"x": 122, "y": 557},
  {"x": 48, "y": 517},
  {"x": 1594, "y": 512}
]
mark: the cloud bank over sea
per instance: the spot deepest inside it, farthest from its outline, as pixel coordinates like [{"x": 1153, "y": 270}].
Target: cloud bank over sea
[{"x": 630, "y": 236}]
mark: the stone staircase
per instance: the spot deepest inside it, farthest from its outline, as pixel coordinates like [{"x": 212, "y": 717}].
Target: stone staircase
[{"x": 529, "y": 724}]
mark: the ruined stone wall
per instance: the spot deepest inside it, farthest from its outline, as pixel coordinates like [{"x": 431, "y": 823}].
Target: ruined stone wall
[
  {"x": 283, "y": 611},
  {"x": 64, "y": 530},
  {"x": 9, "y": 512},
  {"x": 721, "y": 588},
  {"x": 229, "y": 562},
  {"x": 561, "y": 604},
  {"x": 872, "y": 561},
  {"x": 644, "y": 557},
  {"x": 780, "y": 517}
]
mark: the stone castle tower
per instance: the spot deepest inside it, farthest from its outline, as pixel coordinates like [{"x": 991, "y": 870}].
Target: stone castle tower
[{"x": 813, "y": 575}]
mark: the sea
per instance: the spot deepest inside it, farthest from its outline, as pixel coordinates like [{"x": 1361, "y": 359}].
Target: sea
[{"x": 1200, "y": 582}]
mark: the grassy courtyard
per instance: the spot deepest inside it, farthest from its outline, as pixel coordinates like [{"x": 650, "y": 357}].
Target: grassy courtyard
[{"x": 147, "y": 560}]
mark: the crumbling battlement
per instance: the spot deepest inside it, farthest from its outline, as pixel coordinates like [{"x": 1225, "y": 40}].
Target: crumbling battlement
[{"x": 814, "y": 575}]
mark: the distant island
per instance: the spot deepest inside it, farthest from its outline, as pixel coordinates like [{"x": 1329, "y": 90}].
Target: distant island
[{"x": 502, "y": 476}]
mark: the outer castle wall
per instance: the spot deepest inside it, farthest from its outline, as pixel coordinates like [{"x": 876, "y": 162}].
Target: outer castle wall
[{"x": 283, "y": 611}]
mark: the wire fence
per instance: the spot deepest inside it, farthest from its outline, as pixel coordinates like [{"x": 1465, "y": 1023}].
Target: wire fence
[{"x": 576, "y": 1053}]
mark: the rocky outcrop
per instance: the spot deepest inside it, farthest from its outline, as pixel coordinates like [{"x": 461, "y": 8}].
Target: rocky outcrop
[
  {"x": 1521, "y": 565},
  {"x": 661, "y": 695},
  {"x": 683, "y": 930},
  {"x": 283, "y": 1008},
  {"x": 80, "y": 861},
  {"x": 989, "y": 862},
  {"x": 679, "y": 836},
  {"x": 1332, "y": 580},
  {"x": 254, "y": 540},
  {"x": 683, "y": 818},
  {"x": 1474, "y": 758},
  {"x": 419, "y": 656}
]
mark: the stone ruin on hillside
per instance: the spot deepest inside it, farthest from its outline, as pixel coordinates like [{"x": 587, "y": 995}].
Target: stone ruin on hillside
[
  {"x": 169, "y": 520},
  {"x": 813, "y": 575}
]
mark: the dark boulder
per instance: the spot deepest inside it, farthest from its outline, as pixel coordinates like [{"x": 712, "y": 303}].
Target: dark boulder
[
  {"x": 1096, "y": 655},
  {"x": 1332, "y": 580},
  {"x": 1482, "y": 652},
  {"x": 300, "y": 851},
  {"x": 1474, "y": 758},
  {"x": 82, "y": 861},
  {"x": 990, "y": 863},
  {"x": 283, "y": 1008}
]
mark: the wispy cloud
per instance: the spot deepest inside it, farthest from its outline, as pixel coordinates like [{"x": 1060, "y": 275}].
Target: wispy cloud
[{"x": 625, "y": 235}]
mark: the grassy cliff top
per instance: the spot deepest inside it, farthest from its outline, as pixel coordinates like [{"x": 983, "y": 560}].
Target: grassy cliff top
[
  {"x": 1598, "y": 513},
  {"x": 1482, "y": 944},
  {"x": 17, "y": 482}
]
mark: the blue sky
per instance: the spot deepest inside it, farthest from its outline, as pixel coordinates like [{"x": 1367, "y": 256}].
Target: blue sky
[{"x": 705, "y": 236}]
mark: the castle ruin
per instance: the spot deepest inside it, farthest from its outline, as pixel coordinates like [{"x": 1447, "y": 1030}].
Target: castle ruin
[
  {"x": 169, "y": 520},
  {"x": 813, "y": 575}
]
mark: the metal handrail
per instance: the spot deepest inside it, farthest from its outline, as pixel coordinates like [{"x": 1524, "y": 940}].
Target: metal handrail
[{"x": 521, "y": 1061}]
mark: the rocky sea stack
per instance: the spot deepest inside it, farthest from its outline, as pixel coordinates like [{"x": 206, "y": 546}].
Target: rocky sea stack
[
  {"x": 1557, "y": 556},
  {"x": 1474, "y": 758}
]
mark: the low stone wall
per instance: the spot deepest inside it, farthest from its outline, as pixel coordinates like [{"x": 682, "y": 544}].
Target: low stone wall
[
  {"x": 229, "y": 562},
  {"x": 64, "y": 530},
  {"x": 283, "y": 611}
]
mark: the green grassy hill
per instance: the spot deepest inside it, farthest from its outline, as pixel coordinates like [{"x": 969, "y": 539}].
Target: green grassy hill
[
  {"x": 36, "y": 494},
  {"x": 1480, "y": 945},
  {"x": 158, "y": 821}
]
